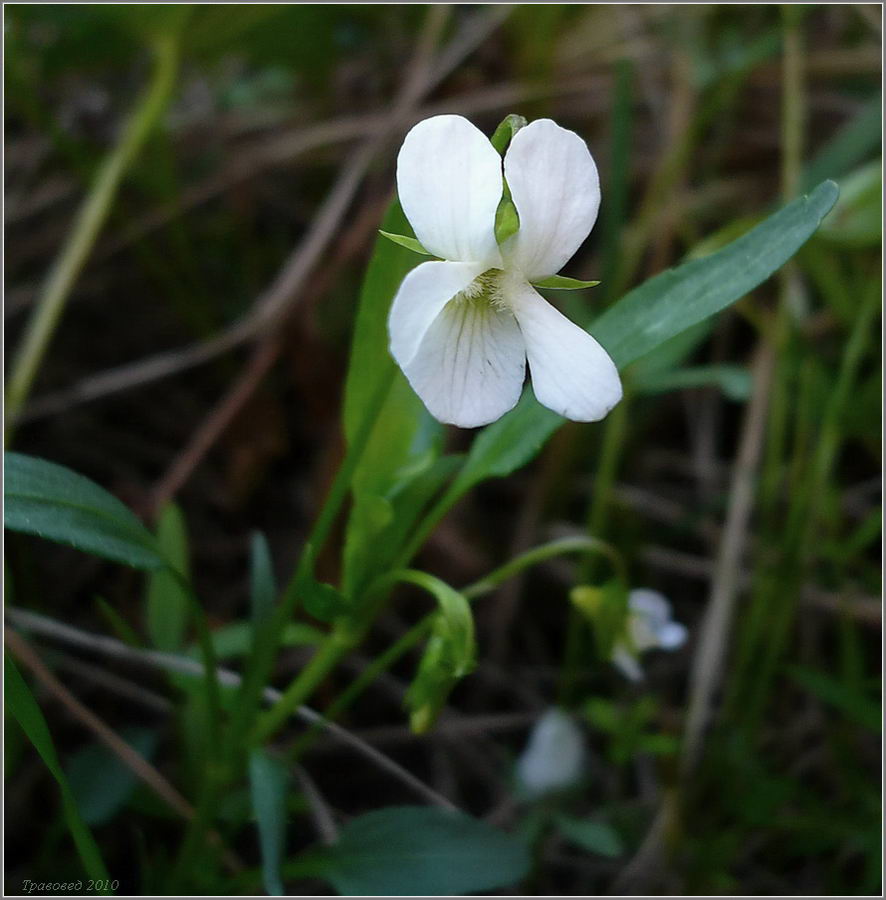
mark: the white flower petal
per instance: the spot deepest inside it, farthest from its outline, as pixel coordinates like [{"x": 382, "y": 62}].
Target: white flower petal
[
  {"x": 672, "y": 636},
  {"x": 652, "y": 605},
  {"x": 450, "y": 183},
  {"x": 643, "y": 635},
  {"x": 555, "y": 756},
  {"x": 555, "y": 187},
  {"x": 626, "y": 663},
  {"x": 420, "y": 299},
  {"x": 571, "y": 373},
  {"x": 469, "y": 368}
]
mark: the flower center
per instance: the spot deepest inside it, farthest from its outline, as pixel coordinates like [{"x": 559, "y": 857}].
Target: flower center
[{"x": 488, "y": 289}]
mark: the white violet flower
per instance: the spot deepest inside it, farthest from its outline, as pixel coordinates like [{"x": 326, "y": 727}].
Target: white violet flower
[
  {"x": 649, "y": 626},
  {"x": 555, "y": 756},
  {"x": 462, "y": 327}
]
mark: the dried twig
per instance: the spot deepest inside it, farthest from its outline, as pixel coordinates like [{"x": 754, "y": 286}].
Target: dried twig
[
  {"x": 170, "y": 662},
  {"x": 172, "y": 362},
  {"x": 140, "y": 767},
  {"x": 268, "y": 350},
  {"x": 320, "y": 810},
  {"x": 708, "y": 660}
]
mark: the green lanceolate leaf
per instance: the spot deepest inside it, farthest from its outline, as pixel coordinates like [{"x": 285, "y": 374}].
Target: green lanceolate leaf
[
  {"x": 651, "y": 314},
  {"x": 262, "y": 584},
  {"x": 589, "y": 834},
  {"x": 380, "y": 526},
  {"x": 53, "y": 502},
  {"x": 735, "y": 381},
  {"x": 408, "y": 242},
  {"x": 416, "y": 851},
  {"x": 100, "y": 781},
  {"x": 404, "y": 431},
  {"x": 268, "y": 783},
  {"x": 167, "y": 605},
  {"x": 562, "y": 283},
  {"x": 21, "y": 703},
  {"x": 680, "y": 298}
]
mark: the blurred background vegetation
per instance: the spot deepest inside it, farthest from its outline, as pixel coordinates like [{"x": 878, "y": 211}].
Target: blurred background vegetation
[{"x": 261, "y": 188}]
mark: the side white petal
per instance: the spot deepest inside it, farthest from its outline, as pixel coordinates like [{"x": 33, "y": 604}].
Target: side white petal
[
  {"x": 626, "y": 663},
  {"x": 556, "y": 189},
  {"x": 449, "y": 182},
  {"x": 652, "y": 605},
  {"x": 571, "y": 373},
  {"x": 672, "y": 636},
  {"x": 469, "y": 368},
  {"x": 420, "y": 299}
]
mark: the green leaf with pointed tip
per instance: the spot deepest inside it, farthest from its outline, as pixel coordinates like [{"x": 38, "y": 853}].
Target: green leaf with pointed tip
[
  {"x": 268, "y": 783},
  {"x": 735, "y": 381},
  {"x": 404, "y": 430},
  {"x": 167, "y": 605},
  {"x": 101, "y": 782},
  {"x": 407, "y": 242},
  {"x": 659, "y": 309},
  {"x": 562, "y": 283},
  {"x": 262, "y": 584},
  {"x": 24, "y": 708},
  {"x": 53, "y": 502},
  {"x": 504, "y": 134}
]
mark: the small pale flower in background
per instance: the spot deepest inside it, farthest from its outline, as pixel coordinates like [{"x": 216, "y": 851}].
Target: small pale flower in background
[
  {"x": 555, "y": 756},
  {"x": 462, "y": 328},
  {"x": 649, "y": 626}
]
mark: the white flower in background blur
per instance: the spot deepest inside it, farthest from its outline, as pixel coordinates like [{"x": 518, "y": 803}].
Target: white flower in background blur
[
  {"x": 555, "y": 755},
  {"x": 649, "y": 626},
  {"x": 462, "y": 328}
]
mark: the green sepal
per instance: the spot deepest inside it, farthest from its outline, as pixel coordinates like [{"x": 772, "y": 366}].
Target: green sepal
[
  {"x": 407, "y": 242},
  {"x": 606, "y": 607},
  {"x": 562, "y": 283},
  {"x": 507, "y": 222},
  {"x": 504, "y": 134},
  {"x": 449, "y": 655}
]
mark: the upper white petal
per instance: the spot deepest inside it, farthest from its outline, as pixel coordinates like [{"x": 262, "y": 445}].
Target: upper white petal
[
  {"x": 556, "y": 189},
  {"x": 450, "y": 183},
  {"x": 419, "y": 300},
  {"x": 469, "y": 368},
  {"x": 571, "y": 373}
]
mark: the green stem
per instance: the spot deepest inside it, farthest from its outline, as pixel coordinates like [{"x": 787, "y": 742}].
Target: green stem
[
  {"x": 607, "y": 467},
  {"x": 267, "y": 640},
  {"x": 337, "y": 644},
  {"x": 89, "y": 221},
  {"x": 578, "y": 544},
  {"x": 379, "y": 665},
  {"x": 198, "y": 827},
  {"x": 207, "y": 650}
]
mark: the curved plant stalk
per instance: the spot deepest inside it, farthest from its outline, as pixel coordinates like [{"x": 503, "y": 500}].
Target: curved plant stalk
[
  {"x": 345, "y": 637},
  {"x": 91, "y": 216}
]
